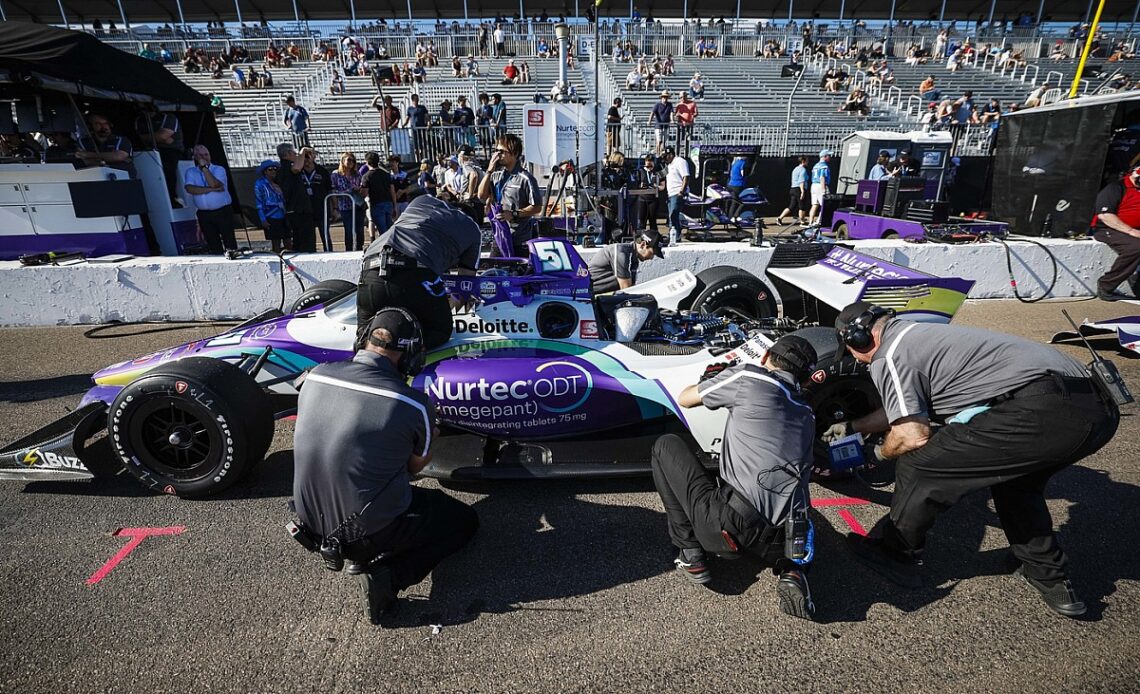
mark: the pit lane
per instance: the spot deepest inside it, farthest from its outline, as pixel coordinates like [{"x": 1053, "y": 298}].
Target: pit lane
[{"x": 567, "y": 587}]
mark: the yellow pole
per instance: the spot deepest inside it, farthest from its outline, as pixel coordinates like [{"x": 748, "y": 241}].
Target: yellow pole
[{"x": 1085, "y": 52}]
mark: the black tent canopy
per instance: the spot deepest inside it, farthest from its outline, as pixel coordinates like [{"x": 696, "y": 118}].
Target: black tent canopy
[{"x": 37, "y": 58}]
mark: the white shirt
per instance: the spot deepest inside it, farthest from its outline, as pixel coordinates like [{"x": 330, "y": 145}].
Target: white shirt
[
  {"x": 214, "y": 200},
  {"x": 675, "y": 175},
  {"x": 499, "y": 38}
]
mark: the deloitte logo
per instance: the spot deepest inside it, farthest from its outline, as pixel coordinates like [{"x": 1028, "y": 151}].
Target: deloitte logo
[{"x": 556, "y": 387}]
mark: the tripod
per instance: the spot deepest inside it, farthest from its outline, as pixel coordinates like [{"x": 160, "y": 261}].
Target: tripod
[{"x": 566, "y": 173}]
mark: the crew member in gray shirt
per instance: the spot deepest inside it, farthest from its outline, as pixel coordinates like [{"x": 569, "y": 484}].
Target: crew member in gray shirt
[
  {"x": 514, "y": 189},
  {"x": 614, "y": 266},
  {"x": 765, "y": 466},
  {"x": 1014, "y": 412},
  {"x": 403, "y": 266},
  {"x": 361, "y": 434}
]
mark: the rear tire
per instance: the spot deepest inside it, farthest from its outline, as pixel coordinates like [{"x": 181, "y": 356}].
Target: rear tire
[
  {"x": 732, "y": 293},
  {"x": 321, "y": 293},
  {"x": 891, "y": 235},
  {"x": 191, "y": 428}
]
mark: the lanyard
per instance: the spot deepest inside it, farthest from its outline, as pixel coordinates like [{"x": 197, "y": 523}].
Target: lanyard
[{"x": 501, "y": 184}]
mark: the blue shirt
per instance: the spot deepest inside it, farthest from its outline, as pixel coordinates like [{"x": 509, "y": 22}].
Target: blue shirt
[
  {"x": 820, "y": 173},
  {"x": 736, "y": 175},
  {"x": 214, "y": 200},
  {"x": 878, "y": 172},
  {"x": 297, "y": 118},
  {"x": 417, "y": 116},
  {"x": 799, "y": 176},
  {"x": 270, "y": 201}
]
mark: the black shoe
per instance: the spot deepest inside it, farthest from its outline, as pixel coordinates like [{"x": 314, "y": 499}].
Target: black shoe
[
  {"x": 379, "y": 596},
  {"x": 354, "y": 568},
  {"x": 1110, "y": 295},
  {"x": 1060, "y": 597},
  {"x": 896, "y": 568},
  {"x": 794, "y": 594},
  {"x": 691, "y": 564}
]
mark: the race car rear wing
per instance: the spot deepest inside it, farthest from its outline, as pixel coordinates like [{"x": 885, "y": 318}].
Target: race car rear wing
[{"x": 840, "y": 276}]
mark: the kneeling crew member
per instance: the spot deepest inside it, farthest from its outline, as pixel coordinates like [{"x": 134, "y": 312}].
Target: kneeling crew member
[
  {"x": 361, "y": 434},
  {"x": 402, "y": 267},
  {"x": 765, "y": 466},
  {"x": 1015, "y": 413},
  {"x": 615, "y": 266}
]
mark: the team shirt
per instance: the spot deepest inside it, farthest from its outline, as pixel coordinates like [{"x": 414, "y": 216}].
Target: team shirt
[{"x": 611, "y": 263}]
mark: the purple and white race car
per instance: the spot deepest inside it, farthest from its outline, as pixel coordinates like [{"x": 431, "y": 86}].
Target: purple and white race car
[{"x": 540, "y": 379}]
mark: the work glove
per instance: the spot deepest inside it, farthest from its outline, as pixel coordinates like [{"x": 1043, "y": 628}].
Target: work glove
[
  {"x": 837, "y": 431},
  {"x": 712, "y": 370}
]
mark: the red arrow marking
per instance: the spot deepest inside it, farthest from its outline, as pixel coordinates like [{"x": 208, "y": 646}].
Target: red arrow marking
[
  {"x": 137, "y": 535},
  {"x": 838, "y": 501},
  {"x": 856, "y": 526}
]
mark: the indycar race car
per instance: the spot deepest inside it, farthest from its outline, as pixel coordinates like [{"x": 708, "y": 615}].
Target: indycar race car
[{"x": 540, "y": 378}]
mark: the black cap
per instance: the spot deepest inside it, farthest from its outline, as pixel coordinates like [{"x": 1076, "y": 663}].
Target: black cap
[
  {"x": 884, "y": 153},
  {"x": 850, "y": 313},
  {"x": 467, "y": 149},
  {"x": 401, "y": 324},
  {"x": 797, "y": 352},
  {"x": 653, "y": 240}
]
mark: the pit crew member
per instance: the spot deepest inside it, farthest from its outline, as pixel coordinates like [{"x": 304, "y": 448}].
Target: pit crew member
[
  {"x": 1014, "y": 412},
  {"x": 1115, "y": 225},
  {"x": 362, "y": 432},
  {"x": 820, "y": 185},
  {"x": 614, "y": 266},
  {"x": 402, "y": 267},
  {"x": 765, "y": 466},
  {"x": 515, "y": 189}
]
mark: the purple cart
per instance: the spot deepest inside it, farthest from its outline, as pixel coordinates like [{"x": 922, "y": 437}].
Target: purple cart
[{"x": 849, "y": 224}]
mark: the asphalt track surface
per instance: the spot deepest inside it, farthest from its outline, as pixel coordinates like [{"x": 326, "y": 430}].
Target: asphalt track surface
[{"x": 568, "y": 586}]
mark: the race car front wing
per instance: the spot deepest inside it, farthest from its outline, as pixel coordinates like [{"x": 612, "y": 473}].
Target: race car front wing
[{"x": 54, "y": 452}]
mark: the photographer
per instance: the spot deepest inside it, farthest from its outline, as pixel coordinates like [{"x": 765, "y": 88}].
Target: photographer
[
  {"x": 362, "y": 432},
  {"x": 765, "y": 466},
  {"x": 515, "y": 189},
  {"x": 1014, "y": 412},
  {"x": 207, "y": 185}
]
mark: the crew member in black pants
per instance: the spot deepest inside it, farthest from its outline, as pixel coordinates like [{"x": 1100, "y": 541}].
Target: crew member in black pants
[
  {"x": 208, "y": 187},
  {"x": 298, "y": 203},
  {"x": 1014, "y": 413},
  {"x": 1115, "y": 224},
  {"x": 648, "y": 178}
]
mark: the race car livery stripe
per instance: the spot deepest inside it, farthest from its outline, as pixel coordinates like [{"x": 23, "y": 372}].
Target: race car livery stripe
[
  {"x": 287, "y": 359},
  {"x": 338, "y": 383},
  {"x": 896, "y": 381}
]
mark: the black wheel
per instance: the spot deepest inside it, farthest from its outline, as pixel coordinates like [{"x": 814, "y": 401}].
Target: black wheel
[
  {"x": 732, "y": 293},
  {"x": 891, "y": 235},
  {"x": 841, "y": 232},
  {"x": 321, "y": 293},
  {"x": 191, "y": 428},
  {"x": 839, "y": 390}
]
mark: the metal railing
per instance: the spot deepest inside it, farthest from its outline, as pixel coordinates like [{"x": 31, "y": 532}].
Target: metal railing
[{"x": 250, "y": 147}]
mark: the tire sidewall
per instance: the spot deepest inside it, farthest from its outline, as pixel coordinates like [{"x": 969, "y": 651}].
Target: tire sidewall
[
  {"x": 227, "y": 463},
  {"x": 743, "y": 286}
]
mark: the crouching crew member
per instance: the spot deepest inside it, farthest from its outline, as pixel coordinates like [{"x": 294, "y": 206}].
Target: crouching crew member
[
  {"x": 361, "y": 434},
  {"x": 615, "y": 266},
  {"x": 403, "y": 266},
  {"x": 1015, "y": 413},
  {"x": 765, "y": 466}
]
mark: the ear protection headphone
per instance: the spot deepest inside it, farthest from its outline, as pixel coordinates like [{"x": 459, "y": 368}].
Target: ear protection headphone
[
  {"x": 857, "y": 333},
  {"x": 411, "y": 360}
]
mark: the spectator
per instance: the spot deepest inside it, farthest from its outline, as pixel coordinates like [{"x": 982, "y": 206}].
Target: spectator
[
  {"x": 271, "y": 206},
  {"x": 820, "y": 184},
  {"x": 317, "y": 185},
  {"x": 524, "y": 73},
  {"x": 417, "y": 119},
  {"x": 217, "y": 104},
  {"x": 798, "y": 197},
  {"x": 880, "y": 171},
  {"x": 454, "y": 179},
  {"x": 831, "y": 81},
  {"x": 929, "y": 120},
  {"x": 650, "y": 181},
  {"x": 676, "y": 184},
  {"x": 927, "y": 90},
  {"x": 464, "y": 118},
  {"x": 337, "y": 84},
  {"x": 697, "y": 87},
  {"x": 297, "y": 121},
  {"x": 389, "y": 114},
  {"x": 380, "y": 190},
  {"x": 510, "y": 73},
  {"x": 471, "y": 67},
  {"x": 498, "y": 115},
  {"x": 238, "y": 79},
  {"x": 208, "y": 187},
  {"x": 1058, "y": 53},
  {"x": 103, "y": 147},
  {"x": 483, "y": 117},
  {"x": 346, "y": 179},
  {"x": 659, "y": 118},
  {"x": 633, "y": 80},
  {"x": 543, "y": 48},
  {"x": 686, "y": 115},
  {"x": 419, "y": 73},
  {"x": 481, "y": 39},
  {"x": 456, "y": 67},
  {"x": 500, "y": 41},
  {"x": 613, "y": 126},
  {"x": 955, "y": 60},
  {"x": 856, "y": 102},
  {"x": 426, "y": 179}
]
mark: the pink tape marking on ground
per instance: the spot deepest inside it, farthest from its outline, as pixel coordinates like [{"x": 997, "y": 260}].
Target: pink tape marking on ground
[
  {"x": 839, "y": 501},
  {"x": 137, "y": 535},
  {"x": 855, "y": 525}
]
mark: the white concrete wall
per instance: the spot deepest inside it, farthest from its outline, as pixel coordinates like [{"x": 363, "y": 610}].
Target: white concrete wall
[{"x": 199, "y": 288}]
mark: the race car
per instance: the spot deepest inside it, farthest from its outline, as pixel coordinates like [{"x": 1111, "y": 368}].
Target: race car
[{"x": 540, "y": 378}]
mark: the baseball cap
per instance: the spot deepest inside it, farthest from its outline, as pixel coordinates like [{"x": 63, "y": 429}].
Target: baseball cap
[
  {"x": 824, "y": 153},
  {"x": 884, "y": 153},
  {"x": 401, "y": 324},
  {"x": 797, "y": 352},
  {"x": 467, "y": 149},
  {"x": 850, "y": 313},
  {"x": 670, "y": 150},
  {"x": 267, "y": 164},
  {"x": 653, "y": 240}
]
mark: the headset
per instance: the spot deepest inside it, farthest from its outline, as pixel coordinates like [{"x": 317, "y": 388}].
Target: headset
[
  {"x": 857, "y": 333},
  {"x": 411, "y": 360}
]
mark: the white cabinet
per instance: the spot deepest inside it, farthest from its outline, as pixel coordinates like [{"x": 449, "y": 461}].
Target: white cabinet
[
  {"x": 15, "y": 220},
  {"x": 47, "y": 193},
  {"x": 11, "y": 194}
]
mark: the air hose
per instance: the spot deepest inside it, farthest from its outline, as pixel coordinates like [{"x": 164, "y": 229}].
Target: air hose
[{"x": 1013, "y": 280}]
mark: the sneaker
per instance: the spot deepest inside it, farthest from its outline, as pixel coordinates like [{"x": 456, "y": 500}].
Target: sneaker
[
  {"x": 691, "y": 564},
  {"x": 794, "y": 594},
  {"x": 1060, "y": 597},
  {"x": 1112, "y": 295},
  {"x": 779, "y": 221},
  {"x": 354, "y": 568},
  {"x": 892, "y": 566},
  {"x": 379, "y": 596}
]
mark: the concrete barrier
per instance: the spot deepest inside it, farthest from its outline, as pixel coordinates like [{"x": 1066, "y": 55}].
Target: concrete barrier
[{"x": 201, "y": 288}]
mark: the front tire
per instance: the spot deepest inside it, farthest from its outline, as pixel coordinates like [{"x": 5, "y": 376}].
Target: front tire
[{"x": 191, "y": 428}]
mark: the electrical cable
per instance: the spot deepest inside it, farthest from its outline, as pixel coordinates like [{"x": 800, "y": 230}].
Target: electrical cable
[{"x": 1013, "y": 280}]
